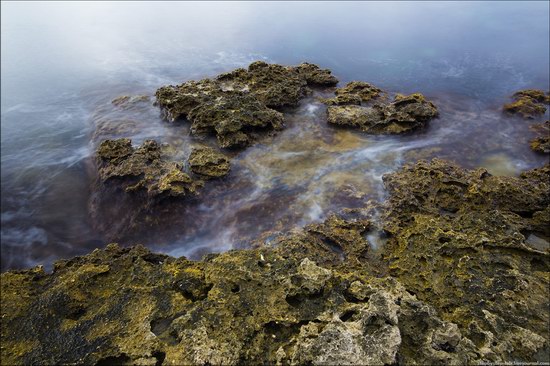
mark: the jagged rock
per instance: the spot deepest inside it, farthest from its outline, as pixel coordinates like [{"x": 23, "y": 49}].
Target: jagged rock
[
  {"x": 231, "y": 117},
  {"x": 529, "y": 103},
  {"x": 132, "y": 306},
  {"x": 347, "y": 236},
  {"x": 360, "y": 342},
  {"x": 237, "y": 106},
  {"x": 142, "y": 168},
  {"x": 459, "y": 241},
  {"x": 276, "y": 85},
  {"x": 541, "y": 143},
  {"x": 404, "y": 114},
  {"x": 310, "y": 278},
  {"x": 135, "y": 186},
  {"x": 457, "y": 283},
  {"x": 208, "y": 163},
  {"x": 354, "y": 93},
  {"x": 315, "y": 76}
]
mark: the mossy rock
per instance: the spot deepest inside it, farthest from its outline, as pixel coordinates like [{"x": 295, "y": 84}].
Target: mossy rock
[
  {"x": 458, "y": 282},
  {"x": 354, "y": 93},
  {"x": 541, "y": 143},
  {"x": 142, "y": 169},
  {"x": 529, "y": 103},
  {"x": 404, "y": 114},
  {"x": 240, "y": 106},
  {"x": 460, "y": 240},
  {"x": 208, "y": 163}
]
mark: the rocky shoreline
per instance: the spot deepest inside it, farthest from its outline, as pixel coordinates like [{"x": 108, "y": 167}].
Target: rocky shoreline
[{"x": 462, "y": 276}]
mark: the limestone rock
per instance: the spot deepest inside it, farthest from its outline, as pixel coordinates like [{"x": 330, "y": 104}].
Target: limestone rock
[
  {"x": 529, "y": 103},
  {"x": 315, "y": 76},
  {"x": 231, "y": 116},
  {"x": 238, "y": 106},
  {"x": 459, "y": 240},
  {"x": 404, "y": 114},
  {"x": 132, "y": 306},
  {"x": 457, "y": 283},
  {"x": 347, "y": 235},
  {"x": 142, "y": 168},
  {"x": 354, "y": 93},
  {"x": 541, "y": 143},
  {"x": 209, "y": 163}
]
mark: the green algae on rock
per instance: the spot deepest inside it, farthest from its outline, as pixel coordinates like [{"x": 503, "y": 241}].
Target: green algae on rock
[
  {"x": 208, "y": 163},
  {"x": 460, "y": 242},
  {"x": 541, "y": 143},
  {"x": 130, "y": 306},
  {"x": 529, "y": 103},
  {"x": 235, "y": 119},
  {"x": 142, "y": 168},
  {"x": 354, "y": 93},
  {"x": 458, "y": 282},
  {"x": 404, "y": 114},
  {"x": 347, "y": 236},
  {"x": 238, "y": 106}
]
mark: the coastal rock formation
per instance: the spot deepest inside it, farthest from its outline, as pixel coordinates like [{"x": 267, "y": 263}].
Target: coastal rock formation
[
  {"x": 138, "y": 188},
  {"x": 130, "y": 306},
  {"x": 475, "y": 247},
  {"x": 354, "y": 93},
  {"x": 541, "y": 143},
  {"x": 529, "y": 103},
  {"x": 463, "y": 279},
  {"x": 347, "y": 236},
  {"x": 275, "y": 85},
  {"x": 239, "y": 106},
  {"x": 142, "y": 169},
  {"x": 404, "y": 114},
  {"x": 208, "y": 163}
]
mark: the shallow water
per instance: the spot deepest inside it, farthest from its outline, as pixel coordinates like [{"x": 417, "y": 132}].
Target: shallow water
[{"x": 63, "y": 63}]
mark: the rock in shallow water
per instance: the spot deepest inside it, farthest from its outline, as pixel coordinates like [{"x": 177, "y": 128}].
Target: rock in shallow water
[
  {"x": 404, "y": 114},
  {"x": 143, "y": 168},
  {"x": 208, "y": 163},
  {"x": 238, "y": 106},
  {"x": 457, "y": 284},
  {"x": 541, "y": 143},
  {"x": 354, "y": 93},
  {"x": 529, "y": 103},
  {"x": 139, "y": 188}
]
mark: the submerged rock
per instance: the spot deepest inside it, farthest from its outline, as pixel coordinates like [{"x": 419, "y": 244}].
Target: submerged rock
[
  {"x": 126, "y": 101},
  {"x": 137, "y": 189},
  {"x": 347, "y": 236},
  {"x": 208, "y": 163},
  {"x": 529, "y": 103},
  {"x": 404, "y": 114},
  {"x": 238, "y": 106},
  {"x": 456, "y": 283}
]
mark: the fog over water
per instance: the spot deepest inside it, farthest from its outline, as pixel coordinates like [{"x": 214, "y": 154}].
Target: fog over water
[{"x": 63, "y": 62}]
